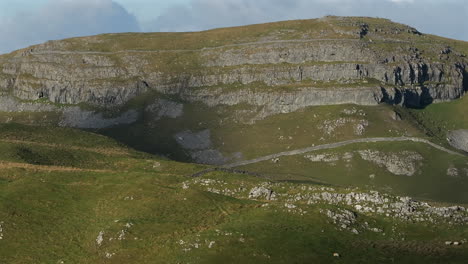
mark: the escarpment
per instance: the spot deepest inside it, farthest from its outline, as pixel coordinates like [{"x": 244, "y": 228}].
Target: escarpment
[{"x": 281, "y": 66}]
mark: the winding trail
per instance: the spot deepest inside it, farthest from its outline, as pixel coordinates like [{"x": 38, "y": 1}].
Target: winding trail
[{"x": 340, "y": 144}]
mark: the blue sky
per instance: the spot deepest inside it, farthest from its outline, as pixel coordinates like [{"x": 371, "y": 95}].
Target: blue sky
[
  {"x": 143, "y": 9},
  {"x": 28, "y": 22}
]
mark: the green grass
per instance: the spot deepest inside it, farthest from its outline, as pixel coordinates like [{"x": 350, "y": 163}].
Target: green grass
[
  {"x": 60, "y": 187},
  {"x": 52, "y": 216},
  {"x": 441, "y": 118},
  {"x": 430, "y": 182},
  {"x": 276, "y": 133},
  {"x": 31, "y": 118},
  {"x": 329, "y": 27},
  {"x": 48, "y": 134}
]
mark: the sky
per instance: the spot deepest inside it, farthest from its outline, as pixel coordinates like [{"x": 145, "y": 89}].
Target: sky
[{"x": 27, "y": 22}]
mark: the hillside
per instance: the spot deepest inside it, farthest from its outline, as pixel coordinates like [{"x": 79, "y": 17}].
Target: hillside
[
  {"x": 73, "y": 202},
  {"x": 271, "y": 143}
]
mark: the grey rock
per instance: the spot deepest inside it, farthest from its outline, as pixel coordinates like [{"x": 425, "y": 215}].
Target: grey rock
[
  {"x": 71, "y": 116},
  {"x": 404, "y": 163},
  {"x": 262, "y": 192},
  {"x": 76, "y": 117},
  {"x": 165, "y": 108},
  {"x": 343, "y": 218},
  {"x": 194, "y": 140},
  {"x": 458, "y": 139},
  {"x": 395, "y": 116},
  {"x": 209, "y": 156},
  {"x": 452, "y": 172},
  {"x": 406, "y": 76},
  {"x": 322, "y": 157},
  {"x": 11, "y": 105}
]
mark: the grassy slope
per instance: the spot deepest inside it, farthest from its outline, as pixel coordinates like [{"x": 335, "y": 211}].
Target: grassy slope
[
  {"x": 438, "y": 119},
  {"x": 273, "y": 134},
  {"x": 49, "y": 216},
  {"x": 430, "y": 182},
  {"x": 382, "y": 32},
  {"x": 52, "y": 213},
  {"x": 324, "y": 28}
]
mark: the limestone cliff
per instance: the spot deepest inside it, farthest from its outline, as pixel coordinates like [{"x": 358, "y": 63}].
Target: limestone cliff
[{"x": 281, "y": 67}]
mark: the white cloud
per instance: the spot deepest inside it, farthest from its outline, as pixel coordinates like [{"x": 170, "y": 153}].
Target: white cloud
[{"x": 62, "y": 19}]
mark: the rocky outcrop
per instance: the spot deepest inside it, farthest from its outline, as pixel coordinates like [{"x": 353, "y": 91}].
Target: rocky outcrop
[
  {"x": 362, "y": 203},
  {"x": 165, "y": 108},
  {"x": 11, "y": 105},
  {"x": 76, "y": 117},
  {"x": 350, "y": 63},
  {"x": 68, "y": 116},
  {"x": 458, "y": 139},
  {"x": 272, "y": 103},
  {"x": 416, "y": 83},
  {"x": 262, "y": 192},
  {"x": 404, "y": 163}
]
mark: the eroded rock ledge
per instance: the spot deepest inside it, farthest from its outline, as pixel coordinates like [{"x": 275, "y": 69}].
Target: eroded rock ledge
[{"x": 389, "y": 63}]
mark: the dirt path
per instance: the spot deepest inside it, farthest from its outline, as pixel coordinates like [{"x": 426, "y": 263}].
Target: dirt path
[{"x": 337, "y": 145}]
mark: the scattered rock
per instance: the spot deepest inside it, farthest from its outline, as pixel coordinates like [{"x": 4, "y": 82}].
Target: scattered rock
[
  {"x": 452, "y": 172},
  {"x": 1, "y": 230},
  {"x": 351, "y": 111},
  {"x": 322, "y": 157},
  {"x": 262, "y": 192},
  {"x": 329, "y": 126},
  {"x": 121, "y": 235},
  {"x": 100, "y": 238},
  {"x": 211, "y": 244},
  {"x": 403, "y": 208},
  {"x": 403, "y": 163},
  {"x": 342, "y": 218},
  {"x": 360, "y": 128},
  {"x": 348, "y": 156}
]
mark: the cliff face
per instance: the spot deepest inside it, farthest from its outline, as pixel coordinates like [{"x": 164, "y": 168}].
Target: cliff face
[{"x": 281, "y": 66}]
